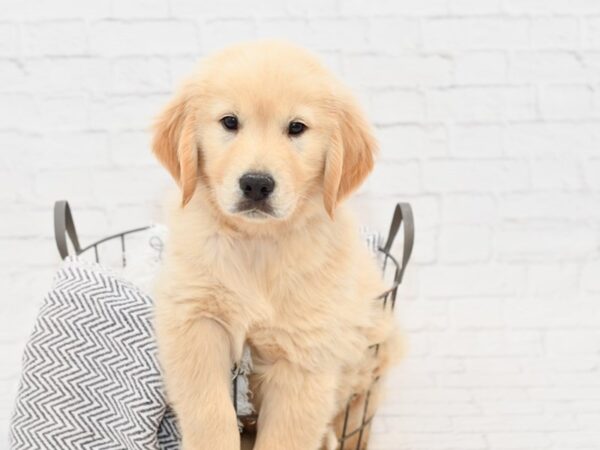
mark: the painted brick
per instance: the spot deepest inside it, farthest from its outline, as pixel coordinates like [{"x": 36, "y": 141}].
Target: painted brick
[
  {"x": 475, "y": 33},
  {"x": 477, "y": 141},
  {"x": 431, "y": 441},
  {"x": 126, "y": 112},
  {"x": 481, "y": 104},
  {"x": 71, "y": 150},
  {"x": 475, "y": 7},
  {"x": 523, "y": 441},
  {"x": 233, "y": 8},
  {"x": 563, "y": 140},
  {"x": 406, "y": 179},
  {"x": 465, "y": 243},
  {"x": 393, "y": 35},
  {"x": 538, "y": 205},
  {"x": 469, "y": 209},
  {"x": 542, "y": 7},
  {"x": 550, "y": 313},
  {"x": 545, "y": 67},
  {"x": 313, "y": 8},
  {"x": 51, "y": 185},
  {"x": 29, "y": 10},
  {"x": 555, "y": 32},
  {"x": 55, "y": 38},
  {"x": 68, "y": 112},
  {"x": 592, "y": 171},
  {"x": 141, "y": 9},
  {"x": 131, "y": 148},
  {"x": 9, "y": 39},
  {"x": 545, "y": 241},
  {"x": 573, "y": 342},
  {"x": 475, "y": 313},
  {"x": 12, "y": 76},
  {"x": 591, "y": 276},
  {"x": 392, "y": 107},
  {"x": 113, "y": 38},
  {"x": 591, "y": 32},
  {"x": 470, "y": 280},
  {"x": 479, "y": 176},
  {"x": 398, "y": 142},
  {"x": 400, "y": 71},
  {"x": 129, "y": 185},
  {"x": 391, "y": 7},
  {"x": 22, "y": 116},
  {"x": 552, "y": 280},
  {"x": 480, "y": 343},
  {"x": 335, "y": 34},
  {"x": 481, "y": 67},
  {"x": 219, "y": 33},
  {"x": 552, "y": 139},
  {"x": 560, "y": 102},
  {"x": 557, "y": 175},
  {"x": 73, "y": 75},
  {"x": 143, "y": 75}
]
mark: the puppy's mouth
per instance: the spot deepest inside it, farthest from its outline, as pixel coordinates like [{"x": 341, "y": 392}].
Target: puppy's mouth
[{"x": 255, "y": 209}]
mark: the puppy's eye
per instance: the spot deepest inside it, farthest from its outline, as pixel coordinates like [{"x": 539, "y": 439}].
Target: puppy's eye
[
  {"x": 296, "y": 128},
  {"x": 230, "y": 123}
]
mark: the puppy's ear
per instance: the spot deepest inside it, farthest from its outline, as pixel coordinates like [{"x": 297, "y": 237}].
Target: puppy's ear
[
  {"x": 174, "y": 145},
  {"x": 351, "y": 155}
]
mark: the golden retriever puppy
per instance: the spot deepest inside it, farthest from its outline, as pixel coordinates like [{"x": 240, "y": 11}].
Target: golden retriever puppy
[{"x": 265, "y": 144}]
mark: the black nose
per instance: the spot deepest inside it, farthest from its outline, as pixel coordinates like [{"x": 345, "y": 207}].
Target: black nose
[{"x": 257, "y": 186}]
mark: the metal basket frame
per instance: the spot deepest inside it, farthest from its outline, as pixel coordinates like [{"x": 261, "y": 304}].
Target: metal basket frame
[{"x": 64, "y": 227}]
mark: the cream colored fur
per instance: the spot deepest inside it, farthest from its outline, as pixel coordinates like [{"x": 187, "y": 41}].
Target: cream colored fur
[{"x": 298, "y": 286}]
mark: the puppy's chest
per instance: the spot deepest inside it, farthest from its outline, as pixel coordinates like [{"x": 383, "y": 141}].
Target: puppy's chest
[
  {"x": 294, "y": 313},
  {"x": 291, "y": 292},
  {"x": 273, "y": 278}
]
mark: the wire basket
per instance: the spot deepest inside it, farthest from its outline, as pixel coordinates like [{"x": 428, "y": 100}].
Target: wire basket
[{"x": 392, "y": 271}]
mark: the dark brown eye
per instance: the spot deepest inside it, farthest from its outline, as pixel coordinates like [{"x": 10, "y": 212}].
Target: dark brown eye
[
  {"x": 296, "y": 128},
  {"x": 230, "y": 123}
]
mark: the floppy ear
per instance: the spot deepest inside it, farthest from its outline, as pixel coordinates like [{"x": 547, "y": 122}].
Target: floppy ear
[
  {"x": 350, "y": 157},
  {"x": 174, "y": 145}
]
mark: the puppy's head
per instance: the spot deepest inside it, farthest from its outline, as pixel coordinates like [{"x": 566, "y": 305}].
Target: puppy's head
[{"x": 267, "y": 130}]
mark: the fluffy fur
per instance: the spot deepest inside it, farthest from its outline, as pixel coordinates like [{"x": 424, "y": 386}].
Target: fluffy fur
[{"x": 297, "y": 286}]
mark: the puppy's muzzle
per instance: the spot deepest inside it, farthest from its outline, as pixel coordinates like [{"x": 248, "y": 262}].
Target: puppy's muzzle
[{"x": 257, "y": 186}]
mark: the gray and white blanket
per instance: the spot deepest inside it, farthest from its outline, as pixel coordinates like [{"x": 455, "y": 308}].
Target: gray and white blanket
[{"x": 91, "y": 378}]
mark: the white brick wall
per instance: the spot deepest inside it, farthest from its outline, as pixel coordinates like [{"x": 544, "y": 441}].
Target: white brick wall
[{"x": 488, "y": 114}]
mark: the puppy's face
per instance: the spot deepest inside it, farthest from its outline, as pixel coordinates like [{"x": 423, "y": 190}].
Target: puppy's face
[
  {"x": 266, "y": 129},
  {"x": 264, "y": 137}
]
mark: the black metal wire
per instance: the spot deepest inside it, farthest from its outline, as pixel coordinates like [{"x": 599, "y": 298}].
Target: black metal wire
[
  {"x": 111, "y": 237},
  {"x": 123, "y": 255},
  {"x": 345, "y": 427},
  {"x": 236, "y": 374}
]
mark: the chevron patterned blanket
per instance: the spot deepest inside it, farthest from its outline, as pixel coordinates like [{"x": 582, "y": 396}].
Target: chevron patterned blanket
[{"x": 91, "y": 378}]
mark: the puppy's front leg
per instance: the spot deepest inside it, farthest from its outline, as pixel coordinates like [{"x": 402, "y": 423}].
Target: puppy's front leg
[
  {"x": 196, "y": 358},
  {"x": 296, "y": 408}
]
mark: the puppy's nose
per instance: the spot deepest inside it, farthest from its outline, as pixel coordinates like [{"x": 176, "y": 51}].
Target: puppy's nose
[{"x": 256, "y": 185}]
